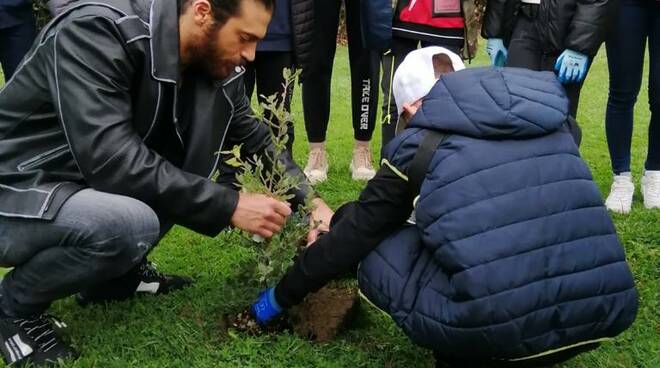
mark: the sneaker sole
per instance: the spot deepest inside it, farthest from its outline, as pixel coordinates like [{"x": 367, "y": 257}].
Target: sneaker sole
[
  {"x": 361, "y": 175},
  {"x": 316, "y": 177}
]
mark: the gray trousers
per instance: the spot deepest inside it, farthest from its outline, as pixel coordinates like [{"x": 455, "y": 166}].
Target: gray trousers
[{"x": 95, "y": 237}]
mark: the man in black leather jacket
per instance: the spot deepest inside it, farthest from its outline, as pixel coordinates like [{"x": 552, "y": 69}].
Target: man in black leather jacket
[{"x": 109, "y": 134}]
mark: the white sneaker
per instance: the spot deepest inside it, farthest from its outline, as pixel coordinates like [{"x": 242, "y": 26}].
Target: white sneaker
[
  {"x": 317, "y": 166},
  {"x": 621, "y": 194},
  {"x": 361, "y": 166},
  {"x": 651, "y": 189}
]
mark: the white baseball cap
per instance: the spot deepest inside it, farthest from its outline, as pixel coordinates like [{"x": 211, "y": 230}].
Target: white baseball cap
[{"x": 415, "y": 77}]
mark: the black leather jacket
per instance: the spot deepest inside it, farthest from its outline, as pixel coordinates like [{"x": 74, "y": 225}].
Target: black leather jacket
[
  {"x": 578, "y": 25},
  {"x": 99, "y": 102}
]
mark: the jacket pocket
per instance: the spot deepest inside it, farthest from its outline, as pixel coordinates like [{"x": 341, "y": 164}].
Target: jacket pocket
[{"x": 42, "y": 157}]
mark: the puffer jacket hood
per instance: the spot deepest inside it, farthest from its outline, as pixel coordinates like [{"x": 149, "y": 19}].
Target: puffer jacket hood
[{"x": 500, "y": 103}]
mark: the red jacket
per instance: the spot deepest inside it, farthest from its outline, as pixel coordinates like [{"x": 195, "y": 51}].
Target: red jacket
[{"x": 415, "y": 19}]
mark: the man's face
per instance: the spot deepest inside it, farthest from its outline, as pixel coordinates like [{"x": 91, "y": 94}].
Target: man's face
[{"x": 220, "y": 48}]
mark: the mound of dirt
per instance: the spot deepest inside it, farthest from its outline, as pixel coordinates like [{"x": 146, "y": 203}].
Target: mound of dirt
[{"x": 321, "y": 315}]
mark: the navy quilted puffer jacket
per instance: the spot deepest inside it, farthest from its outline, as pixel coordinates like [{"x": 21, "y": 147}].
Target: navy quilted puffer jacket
[{"x": 513, "y": 253}]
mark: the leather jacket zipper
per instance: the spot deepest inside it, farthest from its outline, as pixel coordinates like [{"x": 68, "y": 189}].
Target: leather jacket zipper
[{"x": 42, "y": 157}]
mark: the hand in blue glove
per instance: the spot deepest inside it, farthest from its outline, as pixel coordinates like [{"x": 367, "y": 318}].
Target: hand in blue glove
[
  {"x": 497, "y": 52},
  {"x": 266, "y": 307},
  {"x": 571, "y": 67}
]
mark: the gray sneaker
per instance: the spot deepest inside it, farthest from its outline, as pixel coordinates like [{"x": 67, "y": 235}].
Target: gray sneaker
[
  {"x": 361, "y": 166},
  {"x": 317, "y": 166}
]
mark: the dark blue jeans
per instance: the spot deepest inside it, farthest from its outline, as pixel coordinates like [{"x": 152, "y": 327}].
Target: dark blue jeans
[
  {"x": 15, "y": 41},
  {"x": 637, "y": 21},
  {"x": 95, "y": 237}
]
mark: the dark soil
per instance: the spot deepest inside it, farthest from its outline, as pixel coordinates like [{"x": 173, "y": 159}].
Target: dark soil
[
  {"x": 322, "y": 315},
  {"x": 246, "y": 323}
]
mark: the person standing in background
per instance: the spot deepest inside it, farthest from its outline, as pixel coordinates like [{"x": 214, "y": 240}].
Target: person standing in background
[
  {"x": 559, "y": 35},
  {"x": 288, "y": 44},
  {"x": 636, "y": 21},
  {"x": 17, "y": 31},
  {"x": 365, "y": 71},
  {"x": 429, "y": 23}
]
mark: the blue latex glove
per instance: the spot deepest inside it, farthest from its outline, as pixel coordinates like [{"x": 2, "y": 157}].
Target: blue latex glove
[
  {"x": 571, "y": 67},
  {"x": 266, "y": 307},
  {"x": 497, "y": 52}
]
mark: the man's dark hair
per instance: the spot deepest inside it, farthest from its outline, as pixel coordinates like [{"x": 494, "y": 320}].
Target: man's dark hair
[{"x": 224, "y": 9}]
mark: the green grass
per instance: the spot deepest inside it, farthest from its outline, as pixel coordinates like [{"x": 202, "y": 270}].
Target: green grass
[{"x": 181, "y": 330}]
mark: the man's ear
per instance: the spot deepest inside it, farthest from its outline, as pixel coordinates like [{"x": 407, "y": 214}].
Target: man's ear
[
  {"x": 202, "y": 11},
  {"x": 442, "y": 65}
]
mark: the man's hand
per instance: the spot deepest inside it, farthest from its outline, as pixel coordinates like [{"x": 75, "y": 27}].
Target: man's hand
[
  {"x": 321, "y": 217},
  {"x": 260, "y": 214}
]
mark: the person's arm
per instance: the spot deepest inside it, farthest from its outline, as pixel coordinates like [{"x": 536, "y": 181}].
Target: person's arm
[
  {"x": 91, "y": 81},
  {"x": 588, "y": 27},
  {"x": 357, "y": 228}
]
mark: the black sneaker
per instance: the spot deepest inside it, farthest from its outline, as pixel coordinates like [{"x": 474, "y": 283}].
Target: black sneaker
[
  {"x": 33, "y": 341},
  {"x": 143, "y": 279}
]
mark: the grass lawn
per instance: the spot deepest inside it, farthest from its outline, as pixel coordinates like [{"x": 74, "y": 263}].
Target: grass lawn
[{"x": 182, "y": 329}]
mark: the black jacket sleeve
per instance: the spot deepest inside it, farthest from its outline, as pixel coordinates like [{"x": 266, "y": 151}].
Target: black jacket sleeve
[
  {"x": 256, "y": 139},
  {"x": 91, "y": 85},
  {"x": 588, "y": 27},
  {"x": 357, "y": 228}
]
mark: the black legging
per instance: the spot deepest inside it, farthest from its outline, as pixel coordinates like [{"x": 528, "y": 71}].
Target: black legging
[
  {"x": 401, "y": 47},
  {"x": 266, "y": 72},
  {"x": 526, "y": 50},
  {"x": 364, "y": 66}
]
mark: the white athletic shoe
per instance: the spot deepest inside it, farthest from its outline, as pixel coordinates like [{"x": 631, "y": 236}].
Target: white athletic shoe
[
  {"x": 651, "y": 189},
  {"x": 361, "y": 166},
  {"x": 621, "y": 194},
  {"x": 317, "y": 166}
]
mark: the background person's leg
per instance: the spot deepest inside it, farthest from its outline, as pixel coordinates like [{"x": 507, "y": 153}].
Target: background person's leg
[
  {"x": 625, "y": 57},
  {"x": 249, "y": 78},
  {"x": 525, "y": 49},
  {"x": 365, "y": 71},
  {"x": 316, "y": 86},
  {"x": 14, "y": 44},
  {"x": 95, "y": 236},
  {"x": 270, "y": 81},
  {"x": 653, "y": 157},
  {"x": 400, "y": 49}
]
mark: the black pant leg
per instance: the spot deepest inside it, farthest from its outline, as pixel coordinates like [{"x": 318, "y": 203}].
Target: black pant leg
[
  {"x": 15, "y": 42},
  {"x": 525, "y": 49},
  {"x": 365, "y": 71},
  {"x": 401, "y": 47},
  {"x": 270, "y": 81},
  {"x": 249, "y": 78},
  {"x": 316, "y": 86}
]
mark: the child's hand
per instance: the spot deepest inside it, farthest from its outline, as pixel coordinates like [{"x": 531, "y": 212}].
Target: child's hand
[{"x": 266, "y": 307}]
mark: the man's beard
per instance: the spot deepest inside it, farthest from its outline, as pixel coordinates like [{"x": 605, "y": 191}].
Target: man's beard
[{"x": 207, "y": 57}]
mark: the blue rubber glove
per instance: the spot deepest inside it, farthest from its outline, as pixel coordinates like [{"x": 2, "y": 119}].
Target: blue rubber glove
[
  {"x": 571, "y": 67},
  {"x": 497, "y": 52},
  {"x": 266, "y": 307}
]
